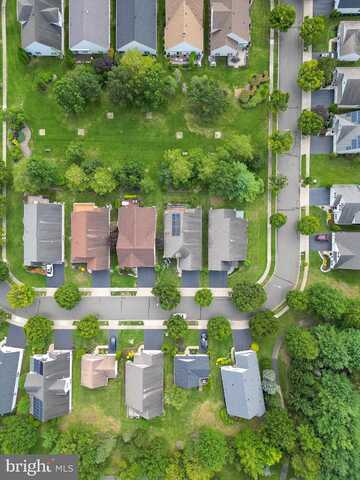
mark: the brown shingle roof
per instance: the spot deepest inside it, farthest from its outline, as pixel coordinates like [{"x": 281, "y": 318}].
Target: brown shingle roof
[
  {"x": 184, "y": 23},
  {"x": 230, "y": 17},
  {"x": 136, "y": 241},
  {"x": 97, "y": 369},
  {"x": 90, "y": 234}
]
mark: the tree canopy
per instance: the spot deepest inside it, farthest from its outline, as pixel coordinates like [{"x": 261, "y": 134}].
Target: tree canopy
[
  {"x": 168, "y": 294},
  {"x": 204, "y": 297},
  {"x": 280, "y": 142},
  {"x": 278, "y": 101},
  {"x": 282, "y": 17},
  {"x": 311, "y": 29},
  {"x": 207, "y": 98},
  {"x": 308, "y": 225},
  {"x": 326, "y": 302},
  {"x": 88, "y": 327},
  {"x": 247, "y": 296},
  {"x": 176, "y": 327},
  {"x": 38, "y": 332},
  {"x": 301, "y": 343},
  {"x": 20, "y": 296},
  {"x": 263, "y": 324},
  {"x": 219, "y": 328},
  {"x": 68, "y": 296},
  {"x": 310, "y": 123},
  {"x": 310, "y": 76},
  {"x": 18, "y": 434},
  {"x": 278, "y": 219}
]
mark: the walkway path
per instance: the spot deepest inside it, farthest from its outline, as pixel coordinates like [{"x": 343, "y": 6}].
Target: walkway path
[{"x": 24, "y": 145}]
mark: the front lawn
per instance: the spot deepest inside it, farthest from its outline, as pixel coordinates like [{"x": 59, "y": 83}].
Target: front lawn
[{"x": 329, "y": 170}]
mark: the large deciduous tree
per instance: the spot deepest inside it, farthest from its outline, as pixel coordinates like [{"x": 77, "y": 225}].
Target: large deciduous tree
[
  {"x": 310, "y": 76},
  {"x": 280, "y": 142},
  {"x": 103, "y": 181},
  {"x": 311, "y": 29},
  {"x": 263, "y": 324},
  {"x": 18, "y": 434},
  {"x": 68, "y": 296},
  {"x": 326, "y": 302},
  {"x": 168, "y": 294},
  {"x": 204, "y": 297},
  {"x": 176, "y": 327},
  {"x": 278, "y": 101},
  {"x": 310, "y": 123},
  {"x": 20, "y": 296},
  {"x": 88, "y": 327},
  {"x": 38, "y": 331},
  {"x": 301, "y": 343},
  {"x": 207, "y": 98},
  {"x": 219, "y": 328},
  {"x": 308, "y": 225},
  {"x": 282, "y": 17},
  {"x": 248, "y": 296}
]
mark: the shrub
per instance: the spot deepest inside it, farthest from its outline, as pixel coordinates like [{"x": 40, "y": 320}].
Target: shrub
[
  {"x": 298, "y": 301},
  {"x": 278, "y": 220},
  {"x": 248, "y": 296},
  {"x": 219, "y": 328},
  {"x": 204, "y": 297},
  {"x": 68, "y": 296},
  {"x": 88, "y": 327},
  {"x": 20, "y": 296},
  {"x": 308, "y": 225},
  {"x": 4, "y": 271}
]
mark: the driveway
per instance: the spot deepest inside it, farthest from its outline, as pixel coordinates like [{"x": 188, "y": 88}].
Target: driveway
[
  {"x": 242, "y": 339},
  {"x": 59, "y": 277},
  {"x": 218, "y": 279},
  {"x": 320, "y": 196},
  {"x": 153, "y": 339},
  {"x": 101, "y": 279},
  {"x": 323, "y": 7},
  {"x": 16, "y": 337},
  {"x": 318, "y": 246},
  {"x": 190, "y": 279},
  {"x": 63, "y": 339},
  {"x": 322, "y": 97},
  {"x": 321, "y": 144},
  {"x": 146, "y": 277}
]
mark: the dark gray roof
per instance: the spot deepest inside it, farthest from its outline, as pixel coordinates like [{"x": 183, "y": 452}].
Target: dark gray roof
[
  {"x": 350, "y": 214},
  {"x": 10, "y": 367},
  {"x": 189, "y": 370},
  {"x": 43, "y": 233},
  {"x": 227, "y": 239},
  {"x": 348, "y": 4},
  {"x": 89, "y": 22},
  {"x": 53, "y": 387},
  {"x": 144, "y": 384},
  {"x": 41, "y": 22},
  {"x": 347, "y": 81},
  {"x": 242, "y": 386},
  {"x": 348, "y": 246},
  {"x": 136, "y": 21},
  {"x": 349, "y": 38}
]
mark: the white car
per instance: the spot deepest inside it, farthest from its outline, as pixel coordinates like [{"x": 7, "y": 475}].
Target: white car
[{"x": 49, "y": 270}]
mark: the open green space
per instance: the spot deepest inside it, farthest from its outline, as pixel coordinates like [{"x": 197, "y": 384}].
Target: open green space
[{"x": 329, "y": 169}]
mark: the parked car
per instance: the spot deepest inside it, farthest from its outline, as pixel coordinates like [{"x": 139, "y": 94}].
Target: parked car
[
  {"x": 49, "y": 270},
  {"x": 327, "y": 55},
  {"x": 322, "y": 237},
  {"x": 204, "y": 341},
  {"x": 112, "y": 344}
]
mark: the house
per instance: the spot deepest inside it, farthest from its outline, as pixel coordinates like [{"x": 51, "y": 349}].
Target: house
[
  {"x": 97, "y": 368},
  {"x": 345, "y": 251},
  {"x": 347, "y": 87},
  {"x": 230, "y": 27},
  {"x": 191, "y": 371},
  {"x": 348, "y": 44},
  {"x": 43, "y": 232},
  {"x": 347, "y": 7},
  {"x": 345, "y": 204},
  {"x": 144, "y": 384},
  {"x": 90, "y": 236},
  {"x": 346, "y": 133},
  {"x": 42, "y": 27},
  {"x": 136, "y": 26},
  {"x": 184, "y": 32},
  {"x": 10, "y": 368},
  {"x": 227, "y": 239},
  {"x": 183, "y": 237},
  {"x": 242, "y": 386},
  {"x": 48, "y": 384},
  {"x": 136, "y": 239},
  {"x": 89, "y": 26}
]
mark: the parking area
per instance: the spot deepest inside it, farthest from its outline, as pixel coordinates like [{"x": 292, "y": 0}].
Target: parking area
[
  {"x": 319, "y": 246},
  {"x": 146, "y": 277},
  {"x": 16, "y": 337},
  {"x": 153, "y": 339},
  {"x": 190, "y": 279},
  {"x": 63, "y": 339},
  {"x": 59, "y": 277},
  {"x": 321, "y": 144},
  {"x": 218, "y": 279},
  {"x": 101, "y": 279},
  {"x": 323, "y": 7},
  {"x": 319, "y": 196},
  {"x": 242, "y": 339}
]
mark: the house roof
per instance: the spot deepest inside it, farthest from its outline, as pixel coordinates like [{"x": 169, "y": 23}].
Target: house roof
[
  {"x": 346, "y": 128},
  {"x": 230, "y": 23},
  {"x": 189, "y": 370},
  {"x": 90, "y": 236},
  {"x": 10, "y": 367},
  {"x": 52, "y": 386},
  {"x": 242, "y": 386},
  {"x": 348, "y": 85},
  {"x": 136, "y": 240},
  {"x": 348, "y": 245},
  {"x": 144, "y": 379},
  {"x": 96, "y": 369},
  {"x": 89, "y": 21},
  {"x": 347, "y": 199},
  {"x": 349, "y": 38},
  {"x": 183, "y": 236},
  {"x": 41, "y": 22},
  {"x": 184, "y": 24},
  {"x": 348, "y": 4},
  {"x": 136, "y": 21},
  {"x": 43, "y": 232},
  {"x": 227, "y": 238}
]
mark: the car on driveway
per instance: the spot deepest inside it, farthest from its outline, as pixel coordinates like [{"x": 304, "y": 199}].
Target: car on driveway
[
  {"x": 204, "y": 341},
  {"x": 322, "y": 237},
  {"x": 49, "y": 270}
]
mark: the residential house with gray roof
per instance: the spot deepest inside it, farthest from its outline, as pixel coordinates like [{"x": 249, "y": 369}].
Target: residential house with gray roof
[
  {"x": 183, "y": 237},
  {"x": 144, "y": 384},
  {"x": 345, "y": 251},
  {"x": 227, "y": 244},
  {"x": 346, "y": 133},
  {"x": 191, "y": 371},
  {"x": 48, "y": 384},
  {"x": 347, "y": 7},
  {"x": 10, "y": 368},
  {"x": 89, "y": 26},
  {"x": 42, "y": 27},
  {"x": 348, "y": 44},
  {"x": 345, "y": 204},
  {"x": 136, "y": 26},
  {"x": 347, "y": 87},
  {"x": 43, "y": 232},
  {"x": 242, "y": 386}
]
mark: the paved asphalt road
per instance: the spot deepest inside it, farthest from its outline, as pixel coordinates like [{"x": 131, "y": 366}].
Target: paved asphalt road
[{"x": 288, "y": 240}]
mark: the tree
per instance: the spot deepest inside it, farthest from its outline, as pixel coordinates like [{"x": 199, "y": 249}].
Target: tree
[
  {"x": 20, "y": 296},
  {"x": 76, "y": 178},
  {"x": 310, "y": 76},
  {"x": 207, "y": 98},
  {"x": 204, "y": 297},
  {"x": 75, "y": 153},
  {"x": 298, "y": 301},
  {"x": 278, "y": 101},
  {"x": 280, "y": 142},
  {"x": 278, "y": 219},
  {"x": 41, "y": 174},
  {"x": 311, "y": 29},
  {"x": 168, "y": 295},
  {"x": 278, "y": 182},
  {"x": 326, "y": 302},
  {"x": 263, "y": 324},
  {"x": 219, "y": 328},
  {"x": 282, "y": 17},
  {"x": 154, "y": 459},
  {"x": 254, "y": 453},
  {"x": 308, "y": 225},
  {"x": 333, "y": 347},
  {"x": 247, "y": 296},
  {"x": 209, "y": 450},
  {"x": 68, "y": 296},
  {"x": 279, "y": 430},
  {"x": 15, "y": 118},
  {"x": 351, "y": 318},
  {"x": 310, "y": 123},
  {"x": 4, "y": 174},
  {"x": 38, "y": 332},
  {"x": 240, "y": 148},
  {"x": 301, "y": 343},
  {"x": 176, "y": 327},
  {"x": 4, "y": 271},
  {"x": 103, "y": 181},
  {"x": 130, "y": 174},
  {"x": 176, "y": 397},
  {"x": 88, "y": 327},
  {"x": 18, "y": 434},
  {"x": 327, "y": 65},
  {"x": 306, "y": 460},
  {"x": 177, "y": 168}
]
